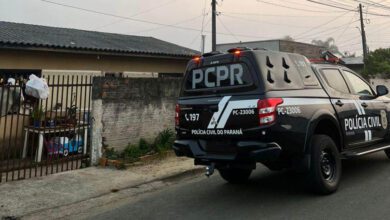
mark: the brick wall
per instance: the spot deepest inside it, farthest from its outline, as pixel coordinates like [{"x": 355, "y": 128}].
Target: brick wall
[{"x": 134, "y": 108}]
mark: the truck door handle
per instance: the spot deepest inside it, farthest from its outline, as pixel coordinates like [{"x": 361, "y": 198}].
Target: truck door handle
[
  {"x": 364, "y": 105},
  {"x": 339, "y": 103}
]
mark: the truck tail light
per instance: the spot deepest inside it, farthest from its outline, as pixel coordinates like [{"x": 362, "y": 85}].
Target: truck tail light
[
  {"x": 177, "y": 115},
  {"x": 267, "y": 110}
]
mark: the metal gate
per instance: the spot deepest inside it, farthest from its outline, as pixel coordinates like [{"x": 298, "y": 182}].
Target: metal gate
[{"x": 44, "y": 136}]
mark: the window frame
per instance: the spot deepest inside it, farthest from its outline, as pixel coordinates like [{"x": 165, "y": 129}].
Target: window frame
[
  {"x": 323, "y": 75},
  {"x": 352, "y": 90}
]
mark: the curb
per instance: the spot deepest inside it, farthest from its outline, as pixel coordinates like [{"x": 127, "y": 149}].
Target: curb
[{"x": 166, "y": 179}]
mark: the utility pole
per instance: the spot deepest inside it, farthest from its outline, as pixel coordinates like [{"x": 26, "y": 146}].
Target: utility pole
[
  {"x": 214, "y": 25},
  {"x": 203, "y": 43},
  {"x": 363, "y": 32}
]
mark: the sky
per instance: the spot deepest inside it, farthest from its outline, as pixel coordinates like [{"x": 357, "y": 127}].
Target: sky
[{"x": 184, "y": 21}]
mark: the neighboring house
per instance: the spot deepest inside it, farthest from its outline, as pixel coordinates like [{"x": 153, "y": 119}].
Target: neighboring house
[
  {"x": 308, "y": 50},
  {"x": 26, "y": 48},
  {"x": 354, "y": 63}
]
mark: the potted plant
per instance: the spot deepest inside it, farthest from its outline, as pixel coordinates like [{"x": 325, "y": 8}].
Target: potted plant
[
  {"x": 72, "y": 115},
  {"x": 37, "y": 116}
]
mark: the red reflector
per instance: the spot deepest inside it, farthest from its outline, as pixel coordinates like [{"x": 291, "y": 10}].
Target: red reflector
[
  {"x": 177, "y": 115},
  {"x": 267, "y": 110}
]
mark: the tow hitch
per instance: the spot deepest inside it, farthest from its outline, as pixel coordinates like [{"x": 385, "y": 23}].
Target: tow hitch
[{"x": 210, "y": 169}]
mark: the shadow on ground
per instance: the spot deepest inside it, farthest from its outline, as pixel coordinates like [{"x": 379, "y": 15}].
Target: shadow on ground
[{"x": 363, "y": 193}]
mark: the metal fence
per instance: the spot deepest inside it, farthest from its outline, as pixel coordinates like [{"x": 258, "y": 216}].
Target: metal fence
[{"x": 41, "y": 137}]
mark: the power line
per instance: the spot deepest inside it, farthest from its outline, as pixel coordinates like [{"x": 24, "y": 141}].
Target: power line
[
  {"x": 198, "y": 35},
  {"x": 339, "y": 3},
  {"x": 320, "y": 25},
  {"x": 227, "y": 29},
  {"x": 265, "y": 22},
  {"x": 348, "y": 9},
  {"x": 271, "y": 15},
  {"x": 333, "y": 6},
  {"x": 141, "y": 20},
  {"x": 204, "y": 16},
  {"x": 118, "y": 16},
  {"x": 373, "y": 4},
  {"x": 176, "y": 23},
  {"x": 294, "y": 8},
  {"x": 342, "y": 33},
  {"x": 296, "y": 3},
  {"x": 332, "y": 29},
  {"x": 137, "y": 14}
]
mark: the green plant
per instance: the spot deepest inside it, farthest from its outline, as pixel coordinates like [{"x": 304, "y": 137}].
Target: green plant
[
  {"x": 378, "y": 63},
  {"x": 72, "y": 114},
  {"x": 162, "y": 143},
  {"x": 38, "y": 114},
  {"x": 144, "y": 146},
  {"x": 164, "y": 140},
  {"x": 132, "y": 153},
  {"x": 111, "y": 154}
]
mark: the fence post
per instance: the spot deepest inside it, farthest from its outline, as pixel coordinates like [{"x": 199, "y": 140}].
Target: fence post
[{"x": 96, "y": 123}]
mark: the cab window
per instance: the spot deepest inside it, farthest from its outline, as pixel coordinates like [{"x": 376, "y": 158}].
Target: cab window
[
  {"x": 335, "y": 80},
  {"x": 359, "y": 87}
]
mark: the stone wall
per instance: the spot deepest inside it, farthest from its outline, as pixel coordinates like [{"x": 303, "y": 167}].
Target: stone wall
[{"x": 132, "y": 108}]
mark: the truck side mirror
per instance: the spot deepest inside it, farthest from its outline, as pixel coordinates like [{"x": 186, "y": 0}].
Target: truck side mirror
[{"x": 381, "y": 90}]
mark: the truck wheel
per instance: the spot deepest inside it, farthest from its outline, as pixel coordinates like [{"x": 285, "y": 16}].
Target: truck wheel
[
  {"x": 325, "y": 165},
  {"x": 387, "y": 152},
  {"x": 235, "y": 175}
]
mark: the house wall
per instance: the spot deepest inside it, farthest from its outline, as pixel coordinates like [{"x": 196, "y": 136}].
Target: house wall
[
  {"x": 308, "y": 50},
  {"x": 133, "y": 108},
  {"x": 17, "y": 59},
  {"x": 269, "y": 45}
]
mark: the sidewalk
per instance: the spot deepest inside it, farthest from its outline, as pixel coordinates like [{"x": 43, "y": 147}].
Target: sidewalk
[{"x": 32, "y": 196}]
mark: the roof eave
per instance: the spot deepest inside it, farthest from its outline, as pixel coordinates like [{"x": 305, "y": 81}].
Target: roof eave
[{"x": 96, "y": 52}]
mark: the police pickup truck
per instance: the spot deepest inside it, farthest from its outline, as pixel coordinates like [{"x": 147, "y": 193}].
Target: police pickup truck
[{"x": 278, "y": 109}]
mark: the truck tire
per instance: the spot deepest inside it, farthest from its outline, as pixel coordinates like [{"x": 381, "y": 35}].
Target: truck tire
[
  {"x": 387, "y": 152},
  {"x": 325, "y": 165},
  {"x": 235, "y": 175}
]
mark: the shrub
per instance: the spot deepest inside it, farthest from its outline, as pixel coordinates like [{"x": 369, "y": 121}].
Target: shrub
[
  {"x": 164, "y": 140},
  {"x": 132, "y": 152},
  {"x": 144, "y": 146},
  {"x": 111, "y": 153}
]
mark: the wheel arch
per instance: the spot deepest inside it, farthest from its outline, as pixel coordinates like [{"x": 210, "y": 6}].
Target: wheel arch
[{"x": 324, "y": 122}]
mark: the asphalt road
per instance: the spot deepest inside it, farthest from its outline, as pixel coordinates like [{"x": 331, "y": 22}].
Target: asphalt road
[{"x": 364, "y": 193}]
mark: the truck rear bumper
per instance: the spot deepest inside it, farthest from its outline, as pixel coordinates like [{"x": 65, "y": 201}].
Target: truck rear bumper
[{"x": 246, "y": 150}]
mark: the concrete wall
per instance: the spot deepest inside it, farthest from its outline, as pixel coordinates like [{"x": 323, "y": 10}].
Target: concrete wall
[{"x": 128, "y": 109}]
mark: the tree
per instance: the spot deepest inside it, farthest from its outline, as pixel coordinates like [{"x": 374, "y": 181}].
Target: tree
[
  {"x": 349, "y": 54},
  {"x": 288, "y": 38},
  {"x": 378, "y": 63},
  {"x": 329, "y": 44}
]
